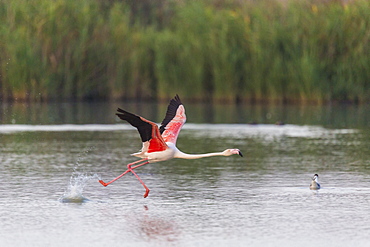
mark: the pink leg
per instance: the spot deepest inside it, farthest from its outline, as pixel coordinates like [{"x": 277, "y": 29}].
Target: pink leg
[
  {"x": 128, "y": 170},
  {"x": 141, "y": 181}
]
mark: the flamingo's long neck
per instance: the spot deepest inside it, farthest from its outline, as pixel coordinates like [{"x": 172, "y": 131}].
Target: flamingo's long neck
[{"x": 182, "y": 155}]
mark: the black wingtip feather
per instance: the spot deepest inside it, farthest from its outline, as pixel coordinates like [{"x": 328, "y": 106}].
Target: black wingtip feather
[
  {"x": 144, "y": 128},
  {"x": 177, "y": 98},
  {"x": 124, "y": 115},
  {"x": 171, "y": 112},
  {"x": 120, "y": 110}
]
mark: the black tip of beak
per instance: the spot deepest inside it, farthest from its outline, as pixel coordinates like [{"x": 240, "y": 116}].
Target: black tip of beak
[{"x": 240, "y": 153}]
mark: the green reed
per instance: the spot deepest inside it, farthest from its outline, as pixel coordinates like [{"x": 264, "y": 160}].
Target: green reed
[{"x": 229, "y": 50}]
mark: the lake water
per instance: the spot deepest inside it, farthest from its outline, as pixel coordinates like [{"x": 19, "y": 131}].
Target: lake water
[{"x": 52, "y": 156}]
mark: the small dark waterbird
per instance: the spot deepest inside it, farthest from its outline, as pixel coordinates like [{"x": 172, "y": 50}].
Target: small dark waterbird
[
  {"x": 315, "y": 182},
  {"x": 159, "y": 144}
]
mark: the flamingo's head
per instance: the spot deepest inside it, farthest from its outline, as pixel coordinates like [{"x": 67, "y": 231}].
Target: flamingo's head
[{"x": 229, "y": 152}]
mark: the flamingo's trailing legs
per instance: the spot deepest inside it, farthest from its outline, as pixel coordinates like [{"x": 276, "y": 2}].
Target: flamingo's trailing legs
[{"x": 159, "y": 144}]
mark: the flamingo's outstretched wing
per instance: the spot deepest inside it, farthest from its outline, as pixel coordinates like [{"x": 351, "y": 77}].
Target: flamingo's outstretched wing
[
  {"x": 149, "y": 132},
  {"x": 173, "y": 121}
]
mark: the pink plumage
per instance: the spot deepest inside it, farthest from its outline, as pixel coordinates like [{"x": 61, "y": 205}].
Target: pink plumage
[{"x": 159, "y": 144}]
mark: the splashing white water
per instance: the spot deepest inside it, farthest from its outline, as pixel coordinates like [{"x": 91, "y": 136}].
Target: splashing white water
[{"x": 77, "y": 183}]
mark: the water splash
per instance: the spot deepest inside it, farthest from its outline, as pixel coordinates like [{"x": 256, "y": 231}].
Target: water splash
[{"x": 77, "y": 183}]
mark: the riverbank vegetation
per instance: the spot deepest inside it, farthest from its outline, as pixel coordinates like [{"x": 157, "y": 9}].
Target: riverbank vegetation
[{"x": 221, "y": 50}]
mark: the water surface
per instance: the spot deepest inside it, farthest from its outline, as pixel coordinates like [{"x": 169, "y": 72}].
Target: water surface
[{"x": 50, "y": 195}]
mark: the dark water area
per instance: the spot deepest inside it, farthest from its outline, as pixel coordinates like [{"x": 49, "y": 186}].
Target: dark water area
[
  {"x": 52, "y": 156},
  {"x": 334, "y": 115}
]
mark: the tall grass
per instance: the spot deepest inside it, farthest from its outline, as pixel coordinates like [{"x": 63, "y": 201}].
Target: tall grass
[{"x": 225, "y": 50}]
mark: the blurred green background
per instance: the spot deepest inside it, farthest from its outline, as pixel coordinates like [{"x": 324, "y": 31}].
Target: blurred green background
[{"x": 309, "y": 51}]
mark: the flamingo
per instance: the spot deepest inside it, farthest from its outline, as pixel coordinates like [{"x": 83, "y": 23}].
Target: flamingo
[{"x": 159, "y": 144}]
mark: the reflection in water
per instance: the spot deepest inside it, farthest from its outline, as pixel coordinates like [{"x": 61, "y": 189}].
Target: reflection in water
[
  {"x": 336, "y": 116},
  {"x": 208, "y": 113},
  {"x": 154, "y": 228}
]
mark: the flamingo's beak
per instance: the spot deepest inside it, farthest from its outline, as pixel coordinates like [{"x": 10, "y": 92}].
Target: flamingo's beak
[{"x": 240, "y": 153}]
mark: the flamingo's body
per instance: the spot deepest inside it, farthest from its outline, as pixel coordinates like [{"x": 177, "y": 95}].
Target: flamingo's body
[{"x": 159, "y": 144}]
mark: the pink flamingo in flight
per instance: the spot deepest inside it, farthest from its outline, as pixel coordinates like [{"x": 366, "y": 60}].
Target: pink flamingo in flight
[{"x": 159, "y": 144}]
